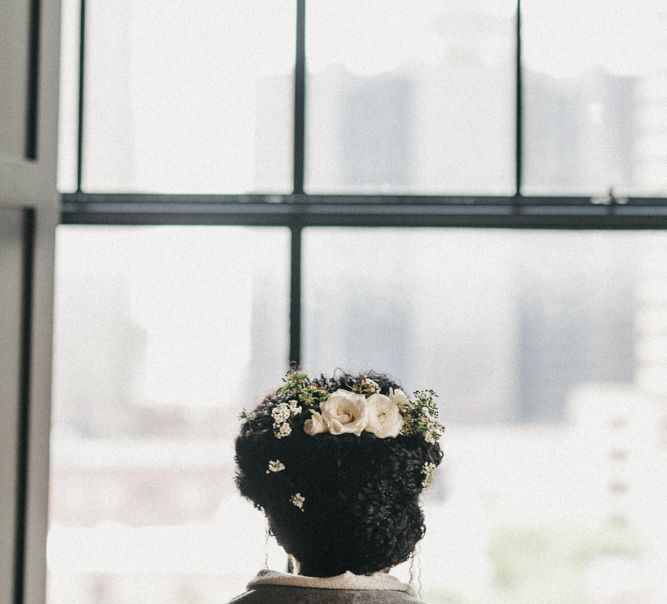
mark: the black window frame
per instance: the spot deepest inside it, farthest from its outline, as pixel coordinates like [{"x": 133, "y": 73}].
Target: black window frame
[{"x": 299, "y": 209}]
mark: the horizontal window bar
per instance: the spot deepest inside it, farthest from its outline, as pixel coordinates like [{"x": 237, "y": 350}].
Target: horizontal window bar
[
  {"x": 325, "y": 210},
  {"x": 343, "y": 199}
]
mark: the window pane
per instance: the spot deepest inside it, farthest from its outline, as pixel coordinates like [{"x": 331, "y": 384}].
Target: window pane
[
  {"x": 180, "y": 96},
  {"x": 162, "y": 335},
  {"x": 69, "y": 95},
  {"x": 410, "y": 97},
  {"x": 595, "y": 97},
  {"x": 548, "y": 351}
]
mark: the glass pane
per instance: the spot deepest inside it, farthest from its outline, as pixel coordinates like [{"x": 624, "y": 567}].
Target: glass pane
[
  {"x": 595, "y": 97},
  {"x": 189, "y": 97},
  {"x": 410, "y": 97},
  {"x": 68, "y": 112},
  {"x": 162, "y": 335},
  {"x": 548, "y": 351}
]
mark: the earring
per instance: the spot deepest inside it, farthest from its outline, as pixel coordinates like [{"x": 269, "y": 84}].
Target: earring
[
  {"x": 416, "y": 571},
  {"x": 267, "y": 536}
]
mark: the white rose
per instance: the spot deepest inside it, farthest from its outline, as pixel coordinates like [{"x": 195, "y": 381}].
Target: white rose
[
  {"x": 384, "y": 416},
  {"x": 398, "y": 397},
  {"x": 315, "y": 425},
  {"x": 345, "y": 411}
]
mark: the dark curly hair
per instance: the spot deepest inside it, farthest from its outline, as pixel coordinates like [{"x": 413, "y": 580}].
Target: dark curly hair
[{"x": 361, "y": 512}]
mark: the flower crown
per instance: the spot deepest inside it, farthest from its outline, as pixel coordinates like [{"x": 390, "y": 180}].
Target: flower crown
[
  {"x": 362, "y": 408},
  {"x": 302, "y": 403}
]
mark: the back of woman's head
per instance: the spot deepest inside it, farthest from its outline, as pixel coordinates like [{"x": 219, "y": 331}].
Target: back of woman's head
[{"x": 338, "y": 464}]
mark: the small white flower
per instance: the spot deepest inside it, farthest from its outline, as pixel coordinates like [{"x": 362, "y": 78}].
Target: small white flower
[
  {"x": 315, "y": 425},
  {"x": 384, "y": 416},
  {"x": 282, "y": 430},
  {"x": 275, "y": 465},
  {"x": 398, "y": 397},
  {"x": 428, "y": 437},
  {"x": 280, "y": 412},
  {"x": 294, "y": 407},
  {"x": 345, "y": 412},
  {"x": 427, "y": 472},
  {"x": 370, "y": 384},
  {"x": 298, "y": 500}
]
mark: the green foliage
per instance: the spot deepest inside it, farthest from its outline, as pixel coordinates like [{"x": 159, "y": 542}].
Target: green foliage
[
  {"x": 420, "y": 416},
  {"x": 297, "y": 385},
  {"x": 244, "y": 416},
  {"x": 366, "y": 386}
]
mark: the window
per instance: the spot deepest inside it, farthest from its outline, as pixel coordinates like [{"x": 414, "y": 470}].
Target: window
[
  {"x": 596, "y": 97},
  {"x": 385, "y": 104},
  {"x": 162, "y": 336},
  {"x": 247, "y": 186},
  {"x": 534, "y": 342},
  {"x": 178, "y": 97}
]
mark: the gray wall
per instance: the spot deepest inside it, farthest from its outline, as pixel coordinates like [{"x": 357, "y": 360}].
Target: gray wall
[{"x": 29, "y": 67}]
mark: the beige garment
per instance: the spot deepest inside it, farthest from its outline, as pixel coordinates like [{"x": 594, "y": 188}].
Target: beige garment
[{"x": 348, "y": 580}]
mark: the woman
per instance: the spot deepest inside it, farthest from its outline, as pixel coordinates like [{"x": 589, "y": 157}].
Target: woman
[{"x": 337, "y": 465}]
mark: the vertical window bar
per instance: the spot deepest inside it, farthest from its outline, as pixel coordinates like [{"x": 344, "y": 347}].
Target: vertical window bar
[
  {"x": 299, "y": 97},
  {"x": 518, "y": 143},
  {"x": 82, "y": 58},
  {"x": 33, "y": 82},
  {"x": 24, "y": 412},
  {"x": 295, "y": 295},
  {"x": 298, "y": 173}
]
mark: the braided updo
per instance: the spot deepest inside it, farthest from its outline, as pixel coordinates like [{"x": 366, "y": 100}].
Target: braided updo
[{"x": 359, "y": 495}]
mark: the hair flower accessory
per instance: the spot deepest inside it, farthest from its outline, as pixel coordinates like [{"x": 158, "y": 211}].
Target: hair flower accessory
[
  {"x": 281, "y": 414},
  {"x": 345, "y": 412},
  {"x": 398, "y": 396},
  {"x": 366, "y": 386},
  {"x": 298, "y": 500},
  {"x": 355, "y": 448},
  {"x": 420, "y": 416},
  {"x": 357, "y": 407},
  {"x": 427, "y": 472},
  {"x": 316, "y": 424},
  {"x": 282, "y": 429},
  {"x": 384, "y": 416},
  {"x": 275, "y": 465}
]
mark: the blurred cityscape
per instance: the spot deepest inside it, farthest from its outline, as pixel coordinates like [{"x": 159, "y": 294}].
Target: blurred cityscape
[
  {"x": 446, "y": 126},
  {"x": 551, "y": 374},
  {"x": 549, "y": 351},
  {"x": 439, "y": 121}
]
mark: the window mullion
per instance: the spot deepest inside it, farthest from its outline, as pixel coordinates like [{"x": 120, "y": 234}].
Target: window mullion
[
  {"x": 81, "y": 83},
  {"x": 295, "y": 294},
  {"x": 518, "y": 141},
  {"x": 299, "y": 98}
]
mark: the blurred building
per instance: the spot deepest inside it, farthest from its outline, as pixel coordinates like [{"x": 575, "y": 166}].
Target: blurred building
[
  {"x": 623, "y": 428},
  {"x": 650, "y": 149}
]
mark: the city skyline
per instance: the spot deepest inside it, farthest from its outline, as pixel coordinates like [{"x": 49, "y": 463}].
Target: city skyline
[
  {"x": 548, "y": 349},
  {"x": 435, "y": 111}
]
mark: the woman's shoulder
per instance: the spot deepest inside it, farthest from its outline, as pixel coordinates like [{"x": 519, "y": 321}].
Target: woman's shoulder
[
  {"x": 301, "y": 595},
  {"x": 278, "y": 588}
]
